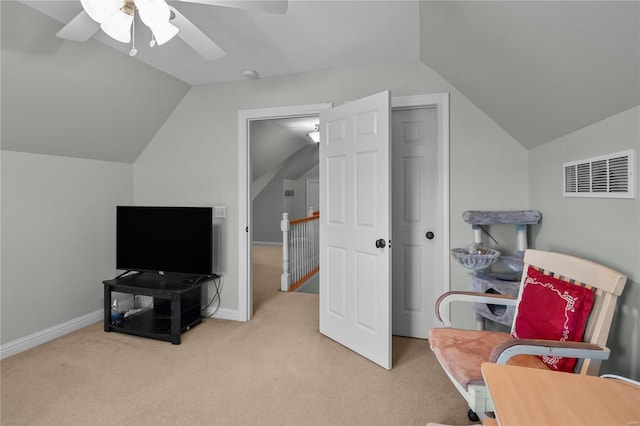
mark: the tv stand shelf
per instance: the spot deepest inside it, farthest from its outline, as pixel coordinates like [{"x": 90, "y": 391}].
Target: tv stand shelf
[{"x": 176, "y": 304}]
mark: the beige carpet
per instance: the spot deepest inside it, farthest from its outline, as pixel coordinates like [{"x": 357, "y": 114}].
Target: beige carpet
[{"x": 276, "y": 369}]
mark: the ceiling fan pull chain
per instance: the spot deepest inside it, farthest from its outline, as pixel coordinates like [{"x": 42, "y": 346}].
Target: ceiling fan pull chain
[{"x": 133, "y": 50}]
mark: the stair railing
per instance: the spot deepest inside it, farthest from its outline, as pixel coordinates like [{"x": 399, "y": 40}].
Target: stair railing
[{"x": 300, "y": 249}]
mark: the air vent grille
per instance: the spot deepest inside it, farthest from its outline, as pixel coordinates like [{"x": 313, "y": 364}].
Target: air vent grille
[
  {"x": 607, "y": 176},
  {"x": 289, "y": 193}
]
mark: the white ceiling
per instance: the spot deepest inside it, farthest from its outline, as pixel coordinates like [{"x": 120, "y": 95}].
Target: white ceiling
[{"x": 312, "y": 35}]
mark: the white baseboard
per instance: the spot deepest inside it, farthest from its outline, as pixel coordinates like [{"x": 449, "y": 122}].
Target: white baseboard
[
  {"x": 50, "y": 333},
  {"x": 225, "y": 314},
  {"x": 267, "y": 243},
  {"x": 40, "y": 337}
]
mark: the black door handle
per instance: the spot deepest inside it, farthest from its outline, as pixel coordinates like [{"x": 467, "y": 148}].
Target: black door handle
[
  {"x": 430, "y": 235},
  {"x": 380, "y": 243}
]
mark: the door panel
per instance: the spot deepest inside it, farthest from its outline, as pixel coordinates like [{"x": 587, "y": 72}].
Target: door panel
[
  {"x": 337, "y": 274},
  {"x": 355, "y": 291}
]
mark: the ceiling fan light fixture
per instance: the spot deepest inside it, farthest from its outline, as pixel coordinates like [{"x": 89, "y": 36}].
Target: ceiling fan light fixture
[
  {"x": 118, "y": 27},
  {"x": 164, "y": 21},
  {"x": 156, "y": 15},
  {"x": 101, "y": 10},
  {"x": 314, "y": 136},
  {"x": 164, "y": 32}
]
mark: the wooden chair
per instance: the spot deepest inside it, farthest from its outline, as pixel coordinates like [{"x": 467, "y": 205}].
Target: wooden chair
[{"x": 461, "y": 352}]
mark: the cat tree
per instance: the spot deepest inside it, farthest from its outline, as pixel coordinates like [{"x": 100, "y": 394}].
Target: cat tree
[{"x": 478, "y": 259}]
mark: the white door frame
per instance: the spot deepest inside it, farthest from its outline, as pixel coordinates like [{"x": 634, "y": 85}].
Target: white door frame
[
  {"x": 440, "y": 101},
  {"x": 245, "y": 231}
]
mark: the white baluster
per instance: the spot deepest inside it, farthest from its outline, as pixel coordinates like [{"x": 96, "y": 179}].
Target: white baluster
[
  {"x": 316, "y": 245},
  {"x": 295, "y": 258},
  {"x": 285, "y": 278},
  {"x": 306, "y": 249}
]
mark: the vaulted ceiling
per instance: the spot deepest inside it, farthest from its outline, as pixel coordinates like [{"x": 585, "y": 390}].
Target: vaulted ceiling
[{"x": 540, "y": 69}]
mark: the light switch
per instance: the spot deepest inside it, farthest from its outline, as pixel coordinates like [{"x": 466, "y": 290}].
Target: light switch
[{"x": 220, "y": 212}]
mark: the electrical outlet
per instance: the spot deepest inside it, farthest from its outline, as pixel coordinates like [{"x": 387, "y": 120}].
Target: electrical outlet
[{"x": 220, "y": 212}]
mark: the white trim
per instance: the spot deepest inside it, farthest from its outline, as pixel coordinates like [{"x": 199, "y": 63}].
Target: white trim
[
  {"x": 267, "y": 243},
  {"x": 441, "y": 102},
  {"x": 244, "y": 193},
  {"x": 49, "y": 334},
  {"x": 224, "y": 313}
]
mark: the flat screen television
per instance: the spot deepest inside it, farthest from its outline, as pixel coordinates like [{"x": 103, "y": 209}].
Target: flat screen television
[{"x": 167, "y": 239}]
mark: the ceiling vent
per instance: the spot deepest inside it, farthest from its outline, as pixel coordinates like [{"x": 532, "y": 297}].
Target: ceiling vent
[{"x": 607, "y": 176}]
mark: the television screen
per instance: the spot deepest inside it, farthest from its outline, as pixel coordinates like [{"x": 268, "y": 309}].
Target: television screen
[{"x": 168, "y": 239}]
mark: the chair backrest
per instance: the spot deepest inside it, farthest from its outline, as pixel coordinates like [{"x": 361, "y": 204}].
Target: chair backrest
[{"x": 607, "y": 284}]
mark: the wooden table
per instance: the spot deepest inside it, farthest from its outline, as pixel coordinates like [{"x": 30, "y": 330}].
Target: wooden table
[{"x": 529, "y": 396}]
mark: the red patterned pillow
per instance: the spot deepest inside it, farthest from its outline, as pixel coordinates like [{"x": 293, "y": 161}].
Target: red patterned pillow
[{"x": 552, "y": 309}]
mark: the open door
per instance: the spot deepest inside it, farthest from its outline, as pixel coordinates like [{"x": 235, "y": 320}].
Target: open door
[{"x": 355, "y": 226}]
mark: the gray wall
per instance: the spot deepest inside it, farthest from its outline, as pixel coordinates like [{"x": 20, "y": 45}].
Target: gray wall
[
  {"x": 200, "y": 166},
  {"x": 58, "y": 237},
  {"x": 604, "y": 230},
  {"x": 269, "y": 205}
]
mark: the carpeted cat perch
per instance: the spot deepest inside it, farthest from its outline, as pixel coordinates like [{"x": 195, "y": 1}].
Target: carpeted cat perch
[{"x": 478, "y": 258}]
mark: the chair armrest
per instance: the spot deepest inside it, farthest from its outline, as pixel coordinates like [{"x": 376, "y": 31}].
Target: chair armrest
[
  {"x": 503, "y": 351},
  {"x": 470, "y": 296}
]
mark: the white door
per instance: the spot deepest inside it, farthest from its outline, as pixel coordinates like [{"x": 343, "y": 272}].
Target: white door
[
  {"x": 355, "y": 227},
  {"x": 415, "y": 202}
]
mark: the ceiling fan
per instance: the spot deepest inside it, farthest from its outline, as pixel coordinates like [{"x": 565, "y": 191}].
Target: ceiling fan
[{"x": 116, "y": 19}]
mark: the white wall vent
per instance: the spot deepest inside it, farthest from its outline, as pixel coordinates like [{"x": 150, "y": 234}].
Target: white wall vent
[
  {"x": 289, "y": 193},
  {"x": 607, "y": 176}
]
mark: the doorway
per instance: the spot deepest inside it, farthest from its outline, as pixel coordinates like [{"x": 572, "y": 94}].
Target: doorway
[
  {"x": 438, "y": 105},
  {"x": 245, "y": 213},
  {"x": 283, "y": 165}
]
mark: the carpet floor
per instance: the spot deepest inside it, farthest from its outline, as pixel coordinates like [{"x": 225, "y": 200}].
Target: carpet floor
[{"x": 276, "y": 369}]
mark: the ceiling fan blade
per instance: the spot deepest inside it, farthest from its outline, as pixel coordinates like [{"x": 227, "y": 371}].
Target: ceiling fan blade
[
  {"x": 80, "y": 28},
  {"x": 271, "y": 6},
  {"x": 196, "y": 38}
]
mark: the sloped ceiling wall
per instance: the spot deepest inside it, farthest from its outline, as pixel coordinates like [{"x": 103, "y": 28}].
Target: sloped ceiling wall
[
  {"x": 271, "y": 143},
  {"x": 82, "y": 100},
  {"x": 540, "y": 69}
]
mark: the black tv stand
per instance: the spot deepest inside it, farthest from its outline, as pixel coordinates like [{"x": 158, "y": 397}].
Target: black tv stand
[{"x": 176, "y": 304}]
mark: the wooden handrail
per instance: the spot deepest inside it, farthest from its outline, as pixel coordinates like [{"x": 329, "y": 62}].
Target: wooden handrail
[
  {"x": 304, "y": 279},
  {"x": 305, "y": 219}
]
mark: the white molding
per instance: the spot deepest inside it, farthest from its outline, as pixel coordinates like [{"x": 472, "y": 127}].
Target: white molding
[
  {"x": 49, "y": 334},
  {"x": 267, "y": 243},
  {"x": 244, "y": 193},
  {"x": 225, "y": 314}
]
